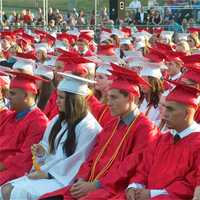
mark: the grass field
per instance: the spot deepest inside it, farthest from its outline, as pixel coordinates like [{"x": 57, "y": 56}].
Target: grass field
[{"x": 60, "y": 4}]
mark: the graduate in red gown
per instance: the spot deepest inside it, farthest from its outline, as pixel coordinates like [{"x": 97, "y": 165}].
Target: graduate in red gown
[
  {"x": 98, "y": 105},
  {"x": 130, "y": 132},
  {"x": 22, "y": 127},
  {"x": 168, "y": 167},
  {"x": 4, "y": 86}
]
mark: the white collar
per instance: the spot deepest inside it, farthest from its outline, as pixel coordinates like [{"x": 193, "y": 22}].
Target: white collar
[
  {"x": 194, "y": 127},
  {"x": 173, "y": 78}
]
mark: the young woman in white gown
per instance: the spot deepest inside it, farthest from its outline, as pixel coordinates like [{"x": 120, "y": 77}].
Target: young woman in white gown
[{"x": 66, "y": 144}]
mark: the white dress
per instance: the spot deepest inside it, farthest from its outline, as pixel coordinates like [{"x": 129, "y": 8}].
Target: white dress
[{"x": 63, "y": 169}]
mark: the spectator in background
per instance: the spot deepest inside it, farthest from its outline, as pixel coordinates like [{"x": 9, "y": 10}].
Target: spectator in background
[
  {"x": 39, "y": 17},
  {"x": 92, "y": 19},
  {"x": 51, "y": 15},
  {"x": 156, "y": 19},
  {"x": 141, "y": 16},
  {"x": 81, "y": 19},
  {"x": 52, "y": 26},
  {"x": 184, "y": 24},
  {"x": 174, "y": 26},
  {"x": 12, "y": 18},
  {"x": 28, "y": 17}
]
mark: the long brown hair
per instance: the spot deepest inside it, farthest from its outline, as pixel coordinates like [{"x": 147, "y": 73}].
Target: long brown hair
[
  {"x": 75, "y": 111},
  {"x": 44, "y": 94},
  {"x": 157, "y": 89}
]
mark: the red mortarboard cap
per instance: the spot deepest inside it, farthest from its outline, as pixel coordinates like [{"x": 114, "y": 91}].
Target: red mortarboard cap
[
  {"x": 39, "y": 32},
  {"x": 19, "y": 31},
  {"x": 193, "y": 29},
  {"x": 183, "y": 94},
  {"x": 193, "y": 72},
  {"x": 163, "y": 47},
  {"x": 28, "y": 38},
  {"x": 191, "y": 59},
  {"x": 127, "y": 31},
  {"x": 66, "y": 37},
  {"x": 26, "y": 56},
  {"x": 107, "y": 50},
  {"x": 25, "y": 82},
  {"x": 155, "y": 56},
  {"x": 126, "y": 80},
  {"x": 9, "y": 35},
  {"x": 174, "y": 56},
  {"x": 50, "y": 39},
  {"x": 106, "y": 30},
  {"x": 76, "y": 65},
  {"x": 158, "y": 30}
]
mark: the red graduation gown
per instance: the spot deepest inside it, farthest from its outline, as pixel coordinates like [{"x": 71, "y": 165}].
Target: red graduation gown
[
  {"x": 51, "y": 109},
  {"x": 169, "y": 166},
  {"x": 100, "y": 111},
  {"x": 197, "y": 115},
  {"x": 141, "y": 134},
  {"x": 16, "y": 138},
  {"x": 3, "y": 114}
]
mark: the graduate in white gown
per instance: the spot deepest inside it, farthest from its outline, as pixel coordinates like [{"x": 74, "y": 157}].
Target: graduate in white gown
[
  {"x": 150, "y": 104},
  {"x": 66, "y": 144}
]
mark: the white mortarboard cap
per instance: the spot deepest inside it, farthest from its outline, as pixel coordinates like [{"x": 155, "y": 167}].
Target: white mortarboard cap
[
  {"x": 108, "y": 59},
  {"x": 151, "y": 69},
  {"x": 87, "y": 31},
  {"x": 41, "y": 47},
  {"x": 60, "y": 44},
  {"x": 27, "y": 67},
  {"x": 140, "y": 45},
  {"x": 74, "y": 32},
  {"x": 133, "y": 54},
  {"x": 104, "y": 36},
  {"x": 167, "y": 34},
  {"x": 117, "y": 32},
  {"x": 44, "y": 71},
  {"x": 125, "y": 41},
  {"x": 104, "y": 69},
  {"x": 142, "y": 34},
  {"x": 74, "y": 84},
  {"x": 182, "y": 36}
]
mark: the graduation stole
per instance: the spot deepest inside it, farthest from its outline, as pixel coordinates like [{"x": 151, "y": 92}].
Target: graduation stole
[
  {"x": 112, "y": 159},
  {"x": 35, "y": 164}
]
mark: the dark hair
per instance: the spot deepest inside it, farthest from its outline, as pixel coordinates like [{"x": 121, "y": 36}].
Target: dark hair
[
  {"x": 156, "y": 89},
  {"x": 75, "y": 111},
  {"x": 44, "y": 94}
]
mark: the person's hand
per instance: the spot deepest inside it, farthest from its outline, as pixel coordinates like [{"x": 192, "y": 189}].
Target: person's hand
[
  {"x": 196, "y": 193},
  {"x": 130, "y": 194},
  {"x": 37, "y": 150},
  {"x": 37, "y": 175},
  {"x": 81, "y": 188},
  {"x": 142, "y": 194},
  {"x": 2, "y": 167}
]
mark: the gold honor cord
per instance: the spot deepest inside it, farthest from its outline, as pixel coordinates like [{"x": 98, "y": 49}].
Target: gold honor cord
[
  {"x": 102, "y": 114},
  {"x": 35, "y": 164},
  {"x": 110, "y": 162}
]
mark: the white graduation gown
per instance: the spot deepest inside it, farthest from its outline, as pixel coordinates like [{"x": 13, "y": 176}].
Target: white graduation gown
[
  {"x": 62, "y": 168},
  {"x": 153, "y": 114}
]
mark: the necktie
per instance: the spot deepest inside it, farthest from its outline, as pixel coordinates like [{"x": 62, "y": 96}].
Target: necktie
[{"x": 176, "y": 138}]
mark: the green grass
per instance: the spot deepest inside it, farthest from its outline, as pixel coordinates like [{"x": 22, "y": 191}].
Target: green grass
[{"x": 60, "y": 4}]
